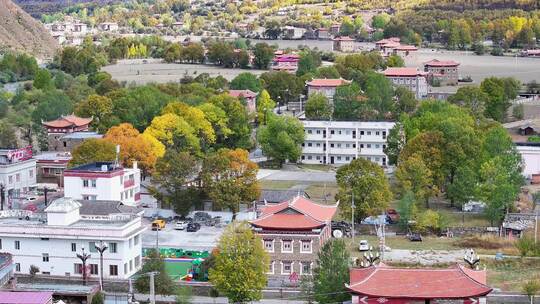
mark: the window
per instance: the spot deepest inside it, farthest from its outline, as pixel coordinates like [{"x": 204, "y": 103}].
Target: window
[
  {"x": 77, "y": 268},
  {"x": 339, "y": 132},
  {"x": 137, "y": 261},
  {"x": 45, "y": 257},
  {"x": 0, "y": 243},
  {"x": 18, "y": 267},
  {"x": 309, "y": 157},
  {"x": 361, "y": 146},
  {"x": 31, "y": 173},
  {"x": 125, "y": 268},
  {"x": 339, "y": 158},
  {"x": 92, "y": 247},
  {"x": 85, "y": 183},
  {"x": 368, "y": 132},
  {"x": 361, "y": 132},
  {"x": 303, "y": 157},
  {"x": 17, "y": 245},
  {"x": 347, "y": 158},
  {"x": 331, "y": 145},
  {"x": 318, "y": 131},
  {"x": 339, "y": 145},
  {"x": 318, "y": 157},
  {"x": 377, "y": 133},
  {"x": 306, "y": 268},
  {"x": 368, "y": 146},
  {"x": 93, "y": 183},
  {"x": 269, "y": 245},
  {"x": 286, "y": 267},
  {"x": 131, "y": 265},
  {"x": 94, "y": 269},
  {"x": 377, "y": 146},
  {"x": 347, "y": 146},
  {"x": 354, "y": 145},
  {"x": 332, "y": 131},
  {"x": 136, "y": 239},
  {"x": 286, "y": 246},
  {"x": 306, "y": 247},
  {"x": 113, "y": 270},
  {"x": 10, "y": 179},
  {"x": 271, "y": 267},
  {"x": 73, "y": 247},
  {"x": 18, "y": 177},
  {"x": 318, "y": 144},
  {"x": 89, "y": 197},
  {"x": 309, "y": 144},
  {"x": 112, "y": 248},
  {"x": 309, "y": 131}
]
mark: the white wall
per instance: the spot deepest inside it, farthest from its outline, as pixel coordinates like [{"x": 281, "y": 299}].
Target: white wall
[
  {"x": 531, "y": 159},
  {"x": 62, "y": 258}
]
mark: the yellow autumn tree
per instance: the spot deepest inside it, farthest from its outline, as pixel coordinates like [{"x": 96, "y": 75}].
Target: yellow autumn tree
[
  {"x": 173, "y": 131},
  {"x": 133, "y": 147},
  {"x": 196, "y": 118}
]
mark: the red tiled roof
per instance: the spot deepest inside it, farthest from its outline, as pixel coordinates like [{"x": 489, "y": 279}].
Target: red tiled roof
[
  {"x": 68, "y": 121},
  {"x": 404, "y": 72},
  {"x": 242, "y": 93},
  {"x": 428, "y": 283},
  {"x": 441, "y": 63},
  {"x": 403, "y": 47},
  {"x": 327, "y": 82},
  {"x": 344, "y": 38},
  {"x": 388, "y": 40},
  {"x": 300, "y": 213}
]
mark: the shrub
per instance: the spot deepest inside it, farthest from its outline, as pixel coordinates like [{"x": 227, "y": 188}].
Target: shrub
[
  {"x": 497, "y": 51},
  {"x": 534, "y": 138},
  {"x": 484, "y": 242},
  {"x": 430, "y": 221},
  {"x": 98, "y": 298},
  {"x": 527, "y": 247}
]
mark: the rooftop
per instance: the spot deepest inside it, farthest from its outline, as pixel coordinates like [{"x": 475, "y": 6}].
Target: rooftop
[
  {"x": 242, "y": 93},
  {"x": 299, "y": 213},
  {"x": 441, "y": 63},
  {"x": 68, "y": 121},
  {"x": 53, "y": 157},
  {"x": 82, "y": 135},
  {"x": 348, "y": 124},
  {"x": 278, "y": 196},
  {"x": 421, "y": 283},
  {"x": 327, "y": 82},
  {"x": 343, "y": 38},
  {"x": 96, "y": 167},
  {"x": 25, "y": 297},
  {"x": 403, "y": 72},
  {"x": 106, "y": 208}
]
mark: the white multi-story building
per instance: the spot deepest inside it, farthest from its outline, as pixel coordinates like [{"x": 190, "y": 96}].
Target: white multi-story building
[
  {"x": 339, "y": 142},
  {"x": 52, "y": 240},
  {"x": 411, "y": 78},
  {"x": 17, "y": 173},
  {"x": 103, "y": 181}
]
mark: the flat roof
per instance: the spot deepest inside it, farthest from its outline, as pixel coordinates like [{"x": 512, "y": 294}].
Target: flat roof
[
  {"x": 97, "y": 167},
  {"x": 347, "y": 124},
  {"x": 82, "y": 135}
]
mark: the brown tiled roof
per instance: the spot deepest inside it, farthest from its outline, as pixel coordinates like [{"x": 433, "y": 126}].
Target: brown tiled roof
[{"x": 68, "y": 121}]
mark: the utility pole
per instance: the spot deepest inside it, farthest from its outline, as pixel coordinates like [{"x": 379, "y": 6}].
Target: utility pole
[
  {"x": 101, "y": 249},
  {"x": 352, "y": 217},
  {"x": 152, "y": 288}
]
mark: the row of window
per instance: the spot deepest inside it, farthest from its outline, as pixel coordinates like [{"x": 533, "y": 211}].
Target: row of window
[
  {"x": 93, "y": 269},
  {"x": 286, "y": 267},
  {"x": 18, "y": 176},
  {"x": 113, "y": 247},
  {"x": 344, "y": 145},
  {"x": 287, "y": 246},
  {"x": 346, "y": 158},
  {"x": 347, "y": 132},
  {"x": 89, "y": 183}
]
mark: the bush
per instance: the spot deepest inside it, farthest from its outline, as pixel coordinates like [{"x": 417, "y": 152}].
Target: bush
[
  {"x": 517, "y": 111},
  {"x": 484, "y": 242},
  {"x": 479, "y": 49},
  {"x": 98, "y": 298},
  {"x": 497, "y": 51},
  {"x": 527, "y": 247},
  {"x": 430, "y": 221},
  {"x": 534, "y": 139}
]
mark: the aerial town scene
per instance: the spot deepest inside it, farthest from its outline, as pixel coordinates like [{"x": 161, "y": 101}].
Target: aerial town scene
[{"x": 269, "y": 151}]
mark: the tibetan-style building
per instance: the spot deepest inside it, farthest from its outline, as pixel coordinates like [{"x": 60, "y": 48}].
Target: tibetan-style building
[
  {"x": 67, "y": 132},
  {"x": 389, "y": 285},
  {"x": 293, "y": 232}
]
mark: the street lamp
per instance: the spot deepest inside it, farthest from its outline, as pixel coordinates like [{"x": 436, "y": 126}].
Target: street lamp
[
  {"x": 83, "y": 257},
  {"x": 101, "y": 248}
]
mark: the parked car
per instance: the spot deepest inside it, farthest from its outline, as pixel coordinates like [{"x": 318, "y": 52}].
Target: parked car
[
  {"x": 415, "y": 237},
  {"x": 363, "y": 246},
  {"x": 181, "y": 225},
  {"x": 393, "y": 216},
  {"x": 158, "y": 224},
  {"x": 193, "y": 227}
]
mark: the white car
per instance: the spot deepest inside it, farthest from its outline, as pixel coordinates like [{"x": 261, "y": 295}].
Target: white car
[
  {"x": 364, "y": 245},
  {"x": 180, "y": 225}
]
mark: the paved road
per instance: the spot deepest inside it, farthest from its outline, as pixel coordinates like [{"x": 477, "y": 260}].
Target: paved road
[
  {"x": 302, "y": 176},
  {"x": 122, "y": 299}
]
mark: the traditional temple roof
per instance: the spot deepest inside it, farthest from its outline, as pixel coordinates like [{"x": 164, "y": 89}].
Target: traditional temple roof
[
  {"x": 403, "y": 72},
  {"x": 68, "y": 121},
  {"x": 382, "y": 281},
  {"x": 242, "y": 93},
  {"x": 297, "y": 214},
  {"x": 327, "y": 82},
  {"x": 441, "y": 63}
]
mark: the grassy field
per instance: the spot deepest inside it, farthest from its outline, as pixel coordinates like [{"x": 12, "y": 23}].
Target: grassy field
[
  {"x": 319, "y": 192},
  {"x": 510, "y": 274},
  {"x": 276, "y": 185}
]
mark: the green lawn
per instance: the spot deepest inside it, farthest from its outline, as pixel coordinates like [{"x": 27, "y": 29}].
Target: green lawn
[
  {"x": 510, "y": 274},
  {"x": 276, "y": 185},
  {"x": 177, "y": 269}
]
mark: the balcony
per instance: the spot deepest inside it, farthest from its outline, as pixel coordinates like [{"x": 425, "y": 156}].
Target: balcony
[
  {"x": 129, "y": 183},
  {"x": 137, "y": 196}
]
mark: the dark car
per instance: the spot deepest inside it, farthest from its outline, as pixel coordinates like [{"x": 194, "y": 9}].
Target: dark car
[
  {"x": 193, "y": 227},
  {"x": 415, "y": 237},
  {"x": 393, "y": 216}
]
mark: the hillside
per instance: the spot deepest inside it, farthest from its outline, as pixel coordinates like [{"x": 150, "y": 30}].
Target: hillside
[
  {"x": 36, "y": 8},
  {"x": 19, "y": 31}
]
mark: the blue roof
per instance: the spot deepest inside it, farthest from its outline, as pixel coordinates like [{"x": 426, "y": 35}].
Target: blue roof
[{"x": 96, "y": 167}]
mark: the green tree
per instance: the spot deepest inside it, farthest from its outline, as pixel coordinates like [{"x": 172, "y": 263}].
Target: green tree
[
  {"x": 347, "y": 104},
  {"x": 407, "y": 208},
  {"x": 8, "y": 137},
  {"x": 172, "y": 53},
  {"x": 92, "y": 150},
  {"x": 329, "y": 72},
  {"x": 318, "y": 107},
  {"x": 379, "y": 92},
  {"x": 230, "y": 178},
  {"x": 497, "y": 103},
  {"x": 308, "y": 62},
  {"x": 246, "y": 81},
  {"x": 273, "y": 29},
  {"x": 367, "y": 182},
  {"x": 265, "y": 105},
  {"x": 237, "y": 123},
  {"x": 282, "y": 86},
  {"x": 52, "y": 104},
  {"x": 406, "y": 102},
  {"x": 241, "y": 263},
  {"x": 413, "y": 175},
  {"x": 472, "y": 98},
  {"x": 531, "y": 288},
  {"x": 281, "y": 138},
  {"x": 263, "y": 54},
  {"x": 163, "y": 283},
  {"x": 43, "y": 80},
  {"x": 100, "y": 108},
  {"x": 395, "y": 61},
  {"x": 379, "y": 21},
  {"x": 221, "y": 53},
  {"x": 332, "y": 272},
  {"x": 183, "y": 295}
]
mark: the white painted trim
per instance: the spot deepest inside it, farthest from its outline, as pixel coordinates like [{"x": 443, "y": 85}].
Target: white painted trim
[
  {"x": 273, "y": 245},
  {"x": 292, "y": 247},
  {"x": 310, "y": 247},
  {"x": 273, "y": 268},
  {"x": 292, "y": 267}
]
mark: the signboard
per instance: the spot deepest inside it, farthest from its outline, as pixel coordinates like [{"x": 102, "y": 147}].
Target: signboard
[{"x": 20, "y": 154}]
